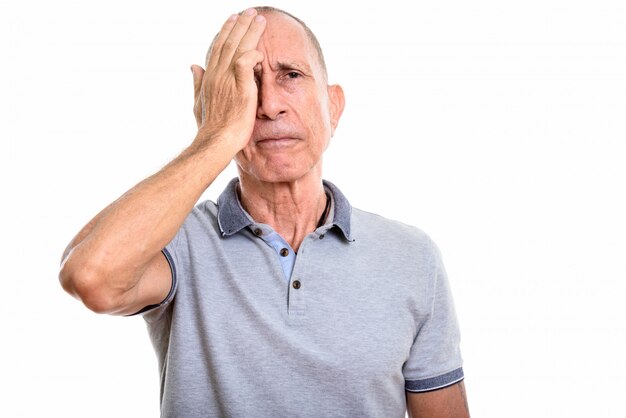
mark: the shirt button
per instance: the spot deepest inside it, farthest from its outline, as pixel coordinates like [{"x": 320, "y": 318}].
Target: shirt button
[
  {"x": 296, "y": 284},
  {"x": 284, "y": 252},
  {"x": 258, "y": 232},
  {"x": 322, "y": 236}
]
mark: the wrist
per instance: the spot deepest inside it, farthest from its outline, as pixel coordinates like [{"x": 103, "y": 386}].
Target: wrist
[
  {"x": 209, "y": 153},
  {"x": 222, "y": 141}
]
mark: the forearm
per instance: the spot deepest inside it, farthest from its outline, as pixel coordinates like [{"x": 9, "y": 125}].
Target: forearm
[
  {"x": 114, "y": 264},
  {"x": 113, "y": 250}
]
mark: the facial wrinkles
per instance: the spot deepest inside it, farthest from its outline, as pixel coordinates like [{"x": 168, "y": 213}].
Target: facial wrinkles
[
  {"x": 304, "y": 101},
  {"x": 293, "y": 95},
  {"x": 275, "y": 126},
  {"x": 288, "y": 46},
  {"x": 302, "y": 119}
]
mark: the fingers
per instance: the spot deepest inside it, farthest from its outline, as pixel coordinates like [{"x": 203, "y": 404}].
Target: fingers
[
  {"x": 246, "y": 62},
  {"x": 237, "y": 36},
  {"x": 229, "y": 75},
  {"x": 213, "y": 54},
  {"x": 244, "y": 36}
]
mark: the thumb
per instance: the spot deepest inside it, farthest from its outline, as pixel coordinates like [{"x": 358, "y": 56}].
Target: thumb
[{"x": 197, "y": 73}]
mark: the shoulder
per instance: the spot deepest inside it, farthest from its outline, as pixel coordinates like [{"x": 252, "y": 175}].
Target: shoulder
[
  {"x": 199, "y": 224},
  {"x": 203, "y": 215},
  {"x": 373, "y": 226},
  {"x": 404, "y": 247},
  {"x": 204, "y": 210}
]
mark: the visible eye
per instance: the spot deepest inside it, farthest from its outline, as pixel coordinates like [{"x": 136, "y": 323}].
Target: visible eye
[{"x": 293, "y": 74}]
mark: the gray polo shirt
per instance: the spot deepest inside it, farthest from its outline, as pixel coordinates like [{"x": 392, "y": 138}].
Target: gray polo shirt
[{"x": 362, "y": 314}]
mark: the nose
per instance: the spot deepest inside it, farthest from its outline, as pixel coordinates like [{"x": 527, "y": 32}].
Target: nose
[{"x": 271, "y": 103}]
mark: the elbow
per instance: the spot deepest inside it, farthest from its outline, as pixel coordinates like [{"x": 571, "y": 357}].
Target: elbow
[{"x": 90, "y": 286}]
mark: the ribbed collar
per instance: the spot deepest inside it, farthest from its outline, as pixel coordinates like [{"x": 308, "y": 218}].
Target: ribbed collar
[{"x": 232, "y": 218}]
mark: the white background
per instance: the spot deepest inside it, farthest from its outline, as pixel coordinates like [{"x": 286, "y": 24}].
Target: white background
[{"x": 498, "y": 127}]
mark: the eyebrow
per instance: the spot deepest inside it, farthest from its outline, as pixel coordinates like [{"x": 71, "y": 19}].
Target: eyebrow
[
  {"x": 283, "y": 65},
  {"x": 288, "y": 66}
]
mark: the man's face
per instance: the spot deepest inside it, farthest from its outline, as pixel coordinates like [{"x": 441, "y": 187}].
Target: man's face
[{"x": 297, "y": 112}]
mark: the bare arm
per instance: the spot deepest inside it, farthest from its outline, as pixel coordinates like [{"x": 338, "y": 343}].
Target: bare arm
[
  {"x": 114, "y": 264},
  {"x": 450, "y": 402}
]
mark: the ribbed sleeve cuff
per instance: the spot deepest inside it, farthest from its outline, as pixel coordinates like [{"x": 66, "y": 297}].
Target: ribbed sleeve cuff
[{"x": 434, "y": 383}]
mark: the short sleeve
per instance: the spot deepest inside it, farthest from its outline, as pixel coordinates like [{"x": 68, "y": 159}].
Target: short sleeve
[
  {"x": 153, "y": 313},
  {"x": 435, "y": 357}
]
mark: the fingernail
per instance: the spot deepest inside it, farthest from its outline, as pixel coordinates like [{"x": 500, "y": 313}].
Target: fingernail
[
  {"x": 233, "y": 17},
  {"x": 250, "y": 12},
  {"x": 259, "y": 18}
]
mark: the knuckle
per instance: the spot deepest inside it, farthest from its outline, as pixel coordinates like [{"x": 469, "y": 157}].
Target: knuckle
[
  {"x": 245, "y": 57},
  {"x": 229, "y": 44},
  {"x": 241, "y": 63}
]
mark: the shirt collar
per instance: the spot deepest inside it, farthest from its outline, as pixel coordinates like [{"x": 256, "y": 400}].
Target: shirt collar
[
  {"x": 342, "y": 211},
  {"x": 232, "y": 218}
]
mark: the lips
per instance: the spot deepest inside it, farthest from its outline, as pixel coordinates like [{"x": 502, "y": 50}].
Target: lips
[
  {"x": 273, "y": 131},
  {"x": 276, "y": 134},
  {"x": 276, "y": 142},
  {"x": 275, "y": 137},
  {"x": 278, "y": 138}
]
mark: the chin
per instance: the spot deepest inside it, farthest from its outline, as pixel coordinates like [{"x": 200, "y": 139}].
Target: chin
[
  {"x": 279, "y": 169},
  {"x": 277, "y": 174}
]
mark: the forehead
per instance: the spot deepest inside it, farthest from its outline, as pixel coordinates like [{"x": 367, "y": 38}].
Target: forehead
[{"x": 284, "y": 39}]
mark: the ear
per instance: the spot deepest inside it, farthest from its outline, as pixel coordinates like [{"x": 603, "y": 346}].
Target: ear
[{"x": 337, "y": 103}]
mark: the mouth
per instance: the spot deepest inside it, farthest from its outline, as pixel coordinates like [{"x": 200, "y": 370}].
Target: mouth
[{"x": 278, "y": 142}]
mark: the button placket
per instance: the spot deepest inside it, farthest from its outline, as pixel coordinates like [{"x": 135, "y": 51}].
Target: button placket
[{"x": 297, "y": 286}]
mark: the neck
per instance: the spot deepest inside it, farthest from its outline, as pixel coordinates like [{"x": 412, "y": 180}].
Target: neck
[{"x": 292, "y": 209}]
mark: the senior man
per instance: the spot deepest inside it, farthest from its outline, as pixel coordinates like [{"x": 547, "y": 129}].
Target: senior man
[{"x": 280, "y": 299}]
